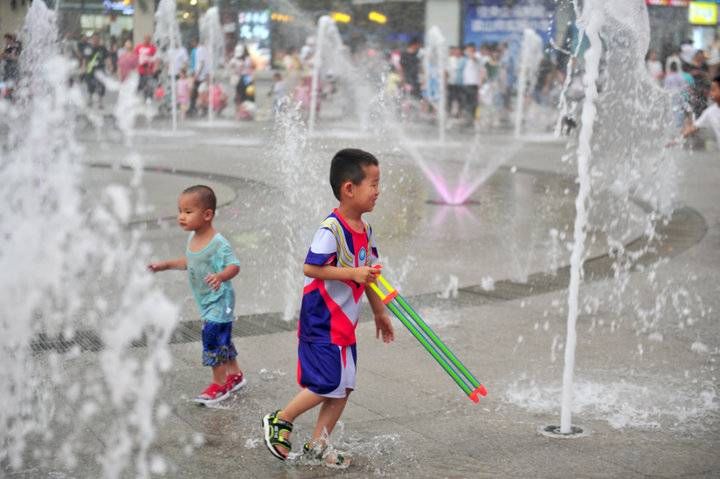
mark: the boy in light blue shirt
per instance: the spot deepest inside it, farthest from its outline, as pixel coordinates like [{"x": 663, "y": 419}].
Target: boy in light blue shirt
[{"x": 211, "y": 264}]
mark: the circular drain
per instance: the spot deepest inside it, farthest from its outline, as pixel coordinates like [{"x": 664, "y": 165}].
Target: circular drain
[{"x": 554, "y": 432}]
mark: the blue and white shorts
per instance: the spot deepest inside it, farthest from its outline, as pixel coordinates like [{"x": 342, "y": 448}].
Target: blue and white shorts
[{"x": 326, "y": 369}]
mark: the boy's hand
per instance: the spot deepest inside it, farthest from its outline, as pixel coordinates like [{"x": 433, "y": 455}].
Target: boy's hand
[
  {"x": 365, "y": 274},
  {"x": 155, "y": 267},
  {"x": 384, "y": 328},
  {"x": 214, "y": 281}
]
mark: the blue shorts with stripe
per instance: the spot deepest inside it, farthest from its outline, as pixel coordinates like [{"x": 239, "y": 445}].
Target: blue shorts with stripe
[{"x": 326, "y": 369}]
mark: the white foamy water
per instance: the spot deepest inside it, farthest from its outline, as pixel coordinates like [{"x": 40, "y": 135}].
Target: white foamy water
[
  {"x": 83, "y": 280},
  {"x": 620, "y": 157},
  {"x": 656, "y": 402}
]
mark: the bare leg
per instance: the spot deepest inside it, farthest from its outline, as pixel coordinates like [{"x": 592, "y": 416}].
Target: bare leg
[
  {"x": 330, "y": 413},
  {"x": 302, "y": 402},
  {"x": 219, "y": 373}
]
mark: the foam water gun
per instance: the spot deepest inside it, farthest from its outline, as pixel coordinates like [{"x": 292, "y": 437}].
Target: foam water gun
[{"x": 427, "y": 337}]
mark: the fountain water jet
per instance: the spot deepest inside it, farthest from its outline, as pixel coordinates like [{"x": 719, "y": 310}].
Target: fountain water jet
[
  {"x": 531, "y": 51},
  {"x": 331, "y": 51},
  {"x": 619, "y": 154},
  {"x": 435, "y": 65},
  {"x": 211, "y": 36},
  {"x": 167, "y": 38}
]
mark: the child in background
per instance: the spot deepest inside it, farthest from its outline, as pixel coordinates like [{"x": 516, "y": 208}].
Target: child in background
[
  {"x": 184, "y": 86},
  {"x": 710, "y": 118},
  {"x": 338, "y": 268},
  {"x": 277, "y": 92},
  {"x": 211, "y": 264}
]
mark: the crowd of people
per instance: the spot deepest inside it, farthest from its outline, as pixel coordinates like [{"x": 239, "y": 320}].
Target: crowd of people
[
  {"x": 689, "y": 75},
  {"x": 100, "y": 61},
  {"x": 97, "y": 62},
  {"x": 479, "y": 82}
]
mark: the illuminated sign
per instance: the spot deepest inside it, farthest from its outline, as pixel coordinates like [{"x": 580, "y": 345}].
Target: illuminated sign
[
  {"x": 340, "y": 17},
  {"x": 377, "y": 17},
  {"x": 500, "y": 21},
  {"x": 668, "y": 3},
  {"x": 281, "y": 17},
  {"x": 254, "y": 25},
  {"x": 703, "y": 13},
  {"x": 123, "y": 6}
]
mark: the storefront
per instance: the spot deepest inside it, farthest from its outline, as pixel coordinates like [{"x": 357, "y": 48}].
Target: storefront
[
  {"x": 669, "y": 25},
  {"x": 110, "y": 18}
]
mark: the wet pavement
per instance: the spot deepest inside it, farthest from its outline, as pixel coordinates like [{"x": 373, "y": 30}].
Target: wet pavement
[{"x": 490, "y": 276}]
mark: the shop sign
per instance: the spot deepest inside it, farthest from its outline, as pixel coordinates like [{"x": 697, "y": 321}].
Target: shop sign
[
  {"x": 124, "y": 7},
  {"x": 494, "y": 21},
  {"x": 254, "y": 25},
  {"x": 703, "y": 13},
  {"x": 668, "y": 3}
]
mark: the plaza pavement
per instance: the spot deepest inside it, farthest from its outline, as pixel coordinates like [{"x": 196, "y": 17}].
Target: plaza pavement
[{"x": 407, "y": 418}]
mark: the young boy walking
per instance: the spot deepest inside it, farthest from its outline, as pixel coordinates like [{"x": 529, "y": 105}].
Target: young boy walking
[
  {"x": 211, "y": 264},
  {"x": 338, "y": 267}
]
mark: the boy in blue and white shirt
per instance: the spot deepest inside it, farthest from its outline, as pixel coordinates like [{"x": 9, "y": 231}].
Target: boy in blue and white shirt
[{"x": 211, "y": 264}]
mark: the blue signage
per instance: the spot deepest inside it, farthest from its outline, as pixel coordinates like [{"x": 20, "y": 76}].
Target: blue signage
[
  {"x": 118, "y": 6},
  {"x": 254, "y": 25},
  {"x": 493, "y": 21}
]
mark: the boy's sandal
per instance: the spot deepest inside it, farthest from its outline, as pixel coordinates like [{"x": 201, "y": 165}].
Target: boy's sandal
[
  {"x": 274, "y": 427},
  {"x": 329, "y": 456},
  {"x": 336, "y": 459}
]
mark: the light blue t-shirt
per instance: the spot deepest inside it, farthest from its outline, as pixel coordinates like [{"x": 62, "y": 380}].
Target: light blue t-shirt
[{"x": 216, "y": 306}]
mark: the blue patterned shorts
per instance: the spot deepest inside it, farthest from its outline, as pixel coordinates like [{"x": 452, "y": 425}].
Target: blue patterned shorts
[{"x": 217, "y": 342}]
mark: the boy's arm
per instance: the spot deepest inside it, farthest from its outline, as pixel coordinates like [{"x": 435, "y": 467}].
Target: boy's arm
[
  {"x": 383, "y": 325},
  {"x": 362, "y": 275},
  {"x": 179, "y": 263},
  {"x": 694, "y": 125},
  {"x": 689, "y": 129}
]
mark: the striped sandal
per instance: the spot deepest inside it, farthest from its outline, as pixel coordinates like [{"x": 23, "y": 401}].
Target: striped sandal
[{"x": 276, "y": 433}]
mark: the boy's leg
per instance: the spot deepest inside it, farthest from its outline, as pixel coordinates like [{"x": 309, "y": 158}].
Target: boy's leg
[
  {"x": 301, "y": 403},
  {"x": 330, "y": 413},
  {"x": 214, "y": 340},
  {"x": 219, "y": 373},
  {"x": 317, "y": 447}
]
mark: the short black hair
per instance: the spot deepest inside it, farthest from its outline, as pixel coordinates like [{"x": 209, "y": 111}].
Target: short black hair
[
  {"x": 206, "y": 195},
  {"x": 347, "y": 165}
]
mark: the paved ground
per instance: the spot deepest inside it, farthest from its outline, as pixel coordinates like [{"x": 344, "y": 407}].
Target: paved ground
[{"x": 647, "y": 394}]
